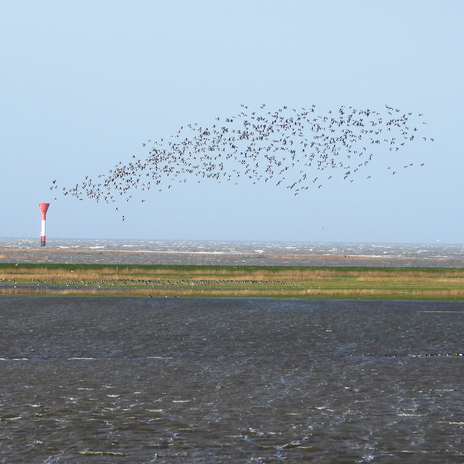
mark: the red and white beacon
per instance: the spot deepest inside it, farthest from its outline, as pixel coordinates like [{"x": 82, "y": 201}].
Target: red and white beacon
[{"x": 43, "y": 209}]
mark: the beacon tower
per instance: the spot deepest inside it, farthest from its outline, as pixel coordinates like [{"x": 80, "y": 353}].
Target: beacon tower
[{"x": 43, "y": 209}]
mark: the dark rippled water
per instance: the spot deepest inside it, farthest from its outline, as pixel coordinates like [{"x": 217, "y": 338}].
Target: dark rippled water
[{"x": 140, "y": 380}]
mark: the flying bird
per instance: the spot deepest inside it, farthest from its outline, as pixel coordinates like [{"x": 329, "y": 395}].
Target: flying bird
[{"x": 282, "y": 145}]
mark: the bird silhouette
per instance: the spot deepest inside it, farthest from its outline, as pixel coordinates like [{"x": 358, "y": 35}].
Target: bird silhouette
[{"x": 259, "y": 146}]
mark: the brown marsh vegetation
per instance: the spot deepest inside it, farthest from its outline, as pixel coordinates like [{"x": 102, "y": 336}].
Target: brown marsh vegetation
[{"x": 234, "y": 281}]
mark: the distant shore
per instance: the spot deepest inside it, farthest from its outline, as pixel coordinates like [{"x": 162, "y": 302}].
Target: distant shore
[{"x": 87, "y": 256}]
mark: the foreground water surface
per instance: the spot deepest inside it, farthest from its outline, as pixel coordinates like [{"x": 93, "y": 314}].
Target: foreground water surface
[{"x": 140, "y": 380}]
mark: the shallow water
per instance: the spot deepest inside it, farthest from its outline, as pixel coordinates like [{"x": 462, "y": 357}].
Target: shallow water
[
  {"x": 229, "y": 253},
  {"x": 229, "y": 380}
]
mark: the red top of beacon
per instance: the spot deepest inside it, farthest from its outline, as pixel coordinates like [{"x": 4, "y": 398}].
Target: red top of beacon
[{"x": 43, "y": 209}]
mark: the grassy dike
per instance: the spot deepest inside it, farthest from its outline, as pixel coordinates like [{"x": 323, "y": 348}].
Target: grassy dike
[{"x": 365, "y": 283}]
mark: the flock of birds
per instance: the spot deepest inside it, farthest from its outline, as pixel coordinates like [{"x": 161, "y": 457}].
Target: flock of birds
[{"x": 282, "y": 146}]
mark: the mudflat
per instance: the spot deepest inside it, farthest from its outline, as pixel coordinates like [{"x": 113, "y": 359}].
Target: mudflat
[{"x": 88, "y": 256}]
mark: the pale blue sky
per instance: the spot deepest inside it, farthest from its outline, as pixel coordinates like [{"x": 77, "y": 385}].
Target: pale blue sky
[{"x": 85, "y": 83}]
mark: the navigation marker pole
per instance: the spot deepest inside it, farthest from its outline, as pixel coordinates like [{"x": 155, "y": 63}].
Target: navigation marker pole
[{"x": 43, "y": 209}]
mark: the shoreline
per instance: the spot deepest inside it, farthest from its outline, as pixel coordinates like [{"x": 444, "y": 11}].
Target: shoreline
[{"x": 90, "y": 256}]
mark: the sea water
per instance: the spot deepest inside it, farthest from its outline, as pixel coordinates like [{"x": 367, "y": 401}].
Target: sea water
[
  {"x": 185, "y": 380},
  {"x": 230, "y": 253}
]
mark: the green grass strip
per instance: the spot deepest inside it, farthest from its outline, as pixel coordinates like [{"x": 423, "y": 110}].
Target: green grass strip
[{"x": 321, "y": 282}]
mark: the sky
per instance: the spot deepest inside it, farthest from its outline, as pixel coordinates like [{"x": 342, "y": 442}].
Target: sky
[{"x": 84, "y": 84}]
